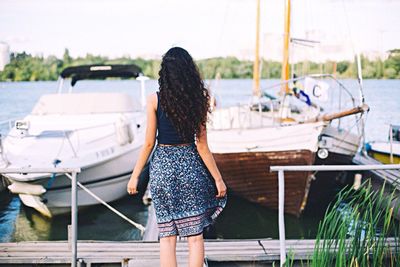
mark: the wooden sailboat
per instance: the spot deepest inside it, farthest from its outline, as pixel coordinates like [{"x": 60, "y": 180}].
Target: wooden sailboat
[{"x": 246, "y": 140}]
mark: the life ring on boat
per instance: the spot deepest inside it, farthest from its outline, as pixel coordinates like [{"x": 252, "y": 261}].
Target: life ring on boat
[{"x": 123, "y": 131}]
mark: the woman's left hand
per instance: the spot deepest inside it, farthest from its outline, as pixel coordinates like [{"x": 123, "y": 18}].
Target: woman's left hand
[{"x": 221, "y": 188}]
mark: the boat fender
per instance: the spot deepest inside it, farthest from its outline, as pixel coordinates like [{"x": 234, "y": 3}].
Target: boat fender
[
  {"x": 26, "y": 188},
  {"x": 3, "y": 158},
  {"x": 36, "y": 203},
  {"x": 123, "y": 131}
]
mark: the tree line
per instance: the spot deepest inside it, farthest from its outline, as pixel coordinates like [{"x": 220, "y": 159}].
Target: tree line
[{"x": 26, "y": 67}]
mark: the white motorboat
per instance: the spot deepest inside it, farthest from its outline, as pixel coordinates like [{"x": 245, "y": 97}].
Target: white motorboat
[{"x": 101, "y": 133}]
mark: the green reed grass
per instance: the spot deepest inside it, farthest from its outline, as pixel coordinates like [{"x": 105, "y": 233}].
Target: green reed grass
[{"x": 355, "y": 228}]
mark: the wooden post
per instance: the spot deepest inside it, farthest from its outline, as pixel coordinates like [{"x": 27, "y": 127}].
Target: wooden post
[{"x": 357, "y": 181}]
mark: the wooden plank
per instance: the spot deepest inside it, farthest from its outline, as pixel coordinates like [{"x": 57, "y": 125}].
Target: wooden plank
[
  {"x": 129, "y": 245},
  {"x": 34, "y": 260}
]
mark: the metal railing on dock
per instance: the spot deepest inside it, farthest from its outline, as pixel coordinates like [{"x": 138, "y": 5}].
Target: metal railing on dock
[
  {"x": 72, "y": 174},
  {"x": 281, "y": 188}
]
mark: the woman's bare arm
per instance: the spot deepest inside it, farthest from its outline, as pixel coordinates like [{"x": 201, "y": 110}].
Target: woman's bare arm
[
  {"x": 148, "y": 143},
  {"x": 208, "y": 159}
]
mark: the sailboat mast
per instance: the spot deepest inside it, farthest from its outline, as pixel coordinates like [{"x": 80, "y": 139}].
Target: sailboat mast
[
  {"x": 256, "y": 65},
  {"x": 286, "y": 39}
]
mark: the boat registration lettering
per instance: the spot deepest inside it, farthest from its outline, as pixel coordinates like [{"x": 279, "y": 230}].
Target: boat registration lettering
[{"x": 105, "y": 152}]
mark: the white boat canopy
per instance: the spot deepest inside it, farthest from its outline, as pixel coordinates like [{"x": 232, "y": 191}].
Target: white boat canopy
[{"x": 85, "y": 103}]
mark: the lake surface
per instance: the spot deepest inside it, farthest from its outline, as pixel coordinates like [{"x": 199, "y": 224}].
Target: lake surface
[{"x": 240, "y": 219}]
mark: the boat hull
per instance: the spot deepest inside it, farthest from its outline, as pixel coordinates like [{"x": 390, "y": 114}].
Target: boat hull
[
  {"x": 381, "y": 151},
  {"x": 247, "y": 174},
  {"x": 339, "y": 142},
  {"x": 107, "y": 180},
  {"x": 384, "y": 157}
]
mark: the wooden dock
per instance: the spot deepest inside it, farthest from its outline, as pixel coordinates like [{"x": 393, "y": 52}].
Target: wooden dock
[
  {"x": 221, "y": 253},
  {"x": 254, "y": 252},
  {"x": 145, "y": 253},
  {"x": 379, "y": 177},
  {"x": 390, "y": 176}
]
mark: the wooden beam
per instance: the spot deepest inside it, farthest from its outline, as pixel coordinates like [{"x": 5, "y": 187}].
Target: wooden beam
[{"x": 332, "y": 116}]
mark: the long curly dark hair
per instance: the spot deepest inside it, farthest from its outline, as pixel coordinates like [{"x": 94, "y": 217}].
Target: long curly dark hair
[{"x": 183, "y": 96}]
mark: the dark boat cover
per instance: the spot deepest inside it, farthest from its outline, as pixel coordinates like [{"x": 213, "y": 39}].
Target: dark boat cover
[{"x": 85, "y": 72}]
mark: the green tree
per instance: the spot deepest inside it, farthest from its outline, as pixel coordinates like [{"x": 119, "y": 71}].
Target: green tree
[
  {"x": 25, "y": 67},
  {"x": 390, "y": 73},
  {"x": 342, "y": 66},
  {"x": 67, "y": 59},
  {"x": 392, "y": 63}
]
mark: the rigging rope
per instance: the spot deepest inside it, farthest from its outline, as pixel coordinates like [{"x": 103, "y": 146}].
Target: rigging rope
[{"x": 137, "y": 225}]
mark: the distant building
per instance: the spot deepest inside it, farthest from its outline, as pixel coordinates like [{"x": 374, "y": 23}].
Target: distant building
[{"x": 4, "y": 55}]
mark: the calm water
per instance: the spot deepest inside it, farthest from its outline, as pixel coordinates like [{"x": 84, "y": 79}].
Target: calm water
[{"x": 240, "y": 219}]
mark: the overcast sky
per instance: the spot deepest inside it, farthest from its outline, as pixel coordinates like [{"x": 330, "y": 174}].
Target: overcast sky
[{"x": 206, "y": 28}]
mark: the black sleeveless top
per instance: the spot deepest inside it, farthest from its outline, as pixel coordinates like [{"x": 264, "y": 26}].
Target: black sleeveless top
[{"x": 167, "y": 133}]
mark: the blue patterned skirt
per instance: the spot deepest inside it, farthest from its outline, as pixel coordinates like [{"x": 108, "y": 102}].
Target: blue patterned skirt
[{"x": 183, "y": 191}]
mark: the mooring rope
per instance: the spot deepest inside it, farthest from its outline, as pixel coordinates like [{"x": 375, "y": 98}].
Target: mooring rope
[{"x": 137, "y": 225}]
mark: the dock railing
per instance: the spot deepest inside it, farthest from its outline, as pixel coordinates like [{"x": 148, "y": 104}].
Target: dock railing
[
  {"x": 281, "y": 188},
  {"x": 72, "y": 174}
]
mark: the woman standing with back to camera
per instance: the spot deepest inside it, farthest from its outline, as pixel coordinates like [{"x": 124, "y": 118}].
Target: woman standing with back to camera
[{"x": 186, "y": 186}]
